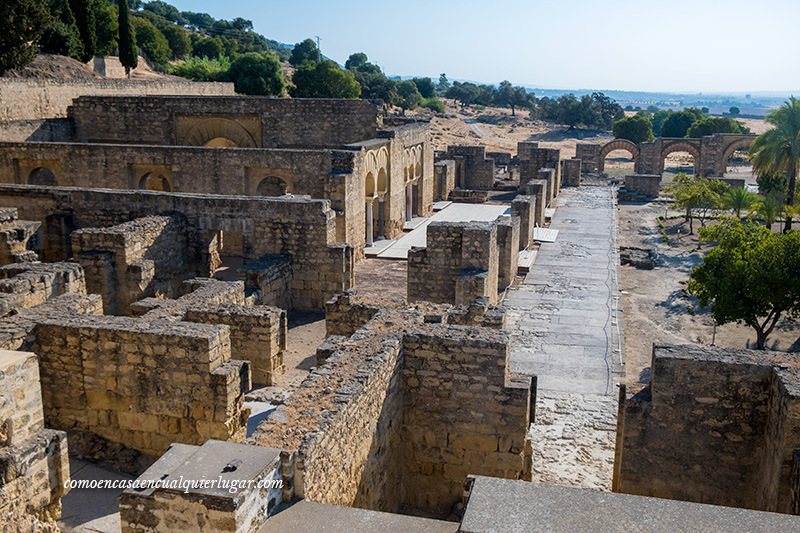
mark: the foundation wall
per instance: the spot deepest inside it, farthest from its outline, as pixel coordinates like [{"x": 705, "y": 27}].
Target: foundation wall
[{"x": 25, "y": 285}]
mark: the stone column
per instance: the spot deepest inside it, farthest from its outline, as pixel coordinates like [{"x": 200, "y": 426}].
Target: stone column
[
  {"x": 369, "y": 223},
  {"x": 409, "y": 214},
  {"x": 381, "y": 207}
]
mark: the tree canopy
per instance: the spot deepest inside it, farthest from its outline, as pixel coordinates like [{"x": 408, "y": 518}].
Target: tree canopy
[
  {"x": 410, "y": 97},
  {"x": 22, "y": 22},
  {"x": 636, "y": 129},
  {"x": 254, "y": 73},
  {"x": 128, "y": 55},
  {"x": 324, "y": 80},
  {"x": 695, "y": 193},
  {"x": 591, "y": 111},
  {"x": 751, "y": 276},
  {"x": 151, "y": 41},
  {"x": 304, "y": 51},
  {"x": 676, "y": 124},
  {"x": 712, "y": 125},
  {"x": 778, "y": 149},
  {"x": 425, "y": 87}
]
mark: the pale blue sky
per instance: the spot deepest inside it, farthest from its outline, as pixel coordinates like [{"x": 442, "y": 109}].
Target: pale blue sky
[{"x": 678, "y": 46}]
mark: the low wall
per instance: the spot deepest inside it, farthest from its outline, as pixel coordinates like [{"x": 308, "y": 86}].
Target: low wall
[{"x": 647, "y": 185}]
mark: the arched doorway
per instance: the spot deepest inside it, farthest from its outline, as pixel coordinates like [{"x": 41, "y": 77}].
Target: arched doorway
[
  {"x": 153, "y": 181},
  {"x": 679, "y": 157},
  {"x": 621, "y": 152},
  {"x": 220, "y": 142},
  {"x": 272, "y": 186},
  {"x": 735, "y": 163},
  {"x": 224, "y": 132},
  {"x": 42, "y": 176}
]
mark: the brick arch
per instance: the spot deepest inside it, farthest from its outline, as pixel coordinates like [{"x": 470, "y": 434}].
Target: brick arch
[
  {"x": 681, "y": 146},
  {"x": 215, "y": 128},
  {"x": 738, "y": 144},
  {"x": 618, "y": 144}
]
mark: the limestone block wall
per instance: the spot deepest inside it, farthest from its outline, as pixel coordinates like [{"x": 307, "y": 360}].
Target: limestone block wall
[
  {"x": 459, "y": 264},
  {"x": 145, "y": 385},
  {"x": 500, "y": 158},
  {"x": 532, "y": 160},
  {"x": 351, "y": 441},
  {"x": 26, "y": 285},
  {"x": 571, "y": 172},
  {"x": 298, "y": 227},
  {"x": 172, "y": 120},
  {"x": 478, "y": 168},
  {"x": 445, "y": 179},
  {"x": 40, "y": 130},
  {"x": 647, "y": 185},
  {"x": 508, "y": 233},
  {"x": 146, "y": 256},
  {"x": 716, "y": 426},
  {"x": 20, "y": 240},
  {"x": 467, "y": 419},
  {"x": 34, "y": 462},
  {"x": 537, "y": 189},
  {"x": 525, "y": 150},
  {"x": 271, "y": 275},
  {"x": 29, "y": 99},
  {"x": 469, "y": 196},
  {"x": 524, "y": 208},
  {"x": 589, "y": 154}
]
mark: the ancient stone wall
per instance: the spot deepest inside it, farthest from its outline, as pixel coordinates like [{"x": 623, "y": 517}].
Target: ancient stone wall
[
  {"x": 26, "y": 285},
  {"x": 478, "y": 168},
  {"x": 30, "y": 99},
  {"x": 589, "y": 154},
  {"x": 20, "y": 240},
  {"x": 468, "y": 419},
  {"x": 34, "y": 463},
  {"x": 459, "y": 264},
  {"x": 39, "y": 130},
  {"x": 547, "y": 175},
  {"x": 469, "y": 196},
  {"x": 271, "y": 276},
  {"x": 145, "y": 385},
  {"x": 445, "y": 179},
  {"x": 140, "y": 258},
  {"x": 647, "y": 186},
  {"x": 534, "y": 159},
  {"x": 267, "y": 121},
  {"x": 299, "y": 227},
  {"x": 716, "y": 426},
  {"x": 571, "y": 172}
]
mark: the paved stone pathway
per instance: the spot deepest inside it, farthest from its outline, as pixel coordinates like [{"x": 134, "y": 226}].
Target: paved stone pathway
[{"x": 564, "y": 328}]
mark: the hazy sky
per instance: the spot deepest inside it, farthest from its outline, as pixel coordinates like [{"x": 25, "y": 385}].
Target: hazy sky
[{"x": 677, "y": 45}]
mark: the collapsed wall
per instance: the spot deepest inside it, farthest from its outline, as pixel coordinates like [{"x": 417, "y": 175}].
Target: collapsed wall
[{"x": 718, "y": 426}]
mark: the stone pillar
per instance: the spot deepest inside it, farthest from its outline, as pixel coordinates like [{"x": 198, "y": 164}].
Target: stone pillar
[
  {"x": 549, "y": 177},
  {"x": 381, "y": 214},
  {"x": 571, "y": 172},
  {"x": 523, "y": 207},
  {"x": 508, "y": 238},
  {"x": 536, "y": 189},
  {"x": 369, "y": 223},
  {"x": 409, "y": 213}
]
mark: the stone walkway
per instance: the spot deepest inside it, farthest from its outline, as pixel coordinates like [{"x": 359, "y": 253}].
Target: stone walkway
[{"x": 564, "y": 328}]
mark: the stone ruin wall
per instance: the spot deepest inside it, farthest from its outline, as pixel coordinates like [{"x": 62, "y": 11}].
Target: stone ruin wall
[
  {"x": 20, "y": 240},
  {"x": 379, "y": 377},
  {"x": 26, "y": 99},
  {"x": 477, "y": 168},
  {"x": 532, "y": 159},
  {"x": 301, "y": 228},
  {"x": 571, "y": 172},
  {"x": 445, "y": 179},
  {"x": 460, "y": 263},
  {"x": 537, "y": 191},
  {"x": 133, "y": 260},
  {"x": 26, "y": 285},
  {"x": 589, "y": 154},
  {"x": 279, "y": 122},
  {"x": 717, "y": 426}
]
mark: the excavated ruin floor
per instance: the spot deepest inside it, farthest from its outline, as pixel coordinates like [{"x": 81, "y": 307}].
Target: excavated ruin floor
[{"x": 564, "y": 329}]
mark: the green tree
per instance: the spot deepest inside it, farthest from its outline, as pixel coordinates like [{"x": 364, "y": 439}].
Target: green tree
[
  {"x": 208, "y": 47},
  {"x": 254, "y": 73},
  {"x": 705, "y": 110},
  {"x": 513, "y": 97},
  {"x": 85, "y": 21},
  {"x": 658, "y": 119},
  {"x": 464, "y": 93},
  {"x": 636, "y": 129},
  {"x": 443, "y": 84},
  {"x": 712, "y": 125},
  {"x": 739, "y": 199},
  {"x": 778, "y": 149},
  {"x": 304, "y": 51},
  {"x": 751, "y": 276},
  {"x": 179, "y": 44},
  {"x": 22, "y": 22},
  {"x": 107, "y": 28},
  {"x": 769, "y": 209},
  {"x": 324, "y": 80},
  {"x": 772, "y": 183},
  {"x": 696, "y": 194},
  {"x": 151, "y": 41},
  {"x": 374, "y": 85},
  {"x": 409, "y": 95},
  {"x": 61, "y": 36},
  {"x": 355, "y": 60},
  {"x": 677, "y": 124},
  {"x": 734, "y": 111},
  {"x": 202, "y": 68},
  {"x": 128, "y": 55},
  {"x": 425, "y": 87},
  {"x": 652, "y": 109},
  {"x": 434, "y": 104}
]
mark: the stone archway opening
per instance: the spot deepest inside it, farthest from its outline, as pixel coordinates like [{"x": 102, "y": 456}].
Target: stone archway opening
[
  {"x": 679, "y": 161},
  {"x": 619, "y": 163},
  {"x": 43, "y": 177},
  {"x": 152, "y": 181},
  {"x": 735, "y": 162},
  {"x": 272, "y": 186}
]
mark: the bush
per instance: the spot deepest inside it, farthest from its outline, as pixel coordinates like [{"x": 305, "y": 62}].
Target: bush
[
  {"x": 255, "y": 73},
  {"x": 201, "y": 68},
  {"x": 434, "y": 104}
]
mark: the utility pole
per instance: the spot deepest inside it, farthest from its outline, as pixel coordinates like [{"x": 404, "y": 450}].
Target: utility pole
[{"x": 319, "y": 53}]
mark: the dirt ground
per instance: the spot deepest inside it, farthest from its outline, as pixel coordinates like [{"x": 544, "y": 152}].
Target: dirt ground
[{"x": 655, "y": 305}]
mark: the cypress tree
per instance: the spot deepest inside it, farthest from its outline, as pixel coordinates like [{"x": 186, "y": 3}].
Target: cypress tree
[
  {"x": 128, "y": 55},
  {"x": 85, "y": 20}
]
